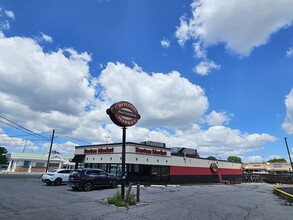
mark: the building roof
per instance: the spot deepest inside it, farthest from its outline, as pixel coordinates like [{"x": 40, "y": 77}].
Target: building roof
[{"x": 34, "y": 156}]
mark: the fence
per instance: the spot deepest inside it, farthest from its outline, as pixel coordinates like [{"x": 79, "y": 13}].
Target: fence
[{"x": 268, "y": 178}]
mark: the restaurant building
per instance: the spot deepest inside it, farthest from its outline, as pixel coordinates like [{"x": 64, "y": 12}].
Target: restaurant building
[{"x": 151, "y": 162}]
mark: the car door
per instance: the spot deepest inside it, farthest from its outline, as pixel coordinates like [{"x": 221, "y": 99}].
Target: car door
[
  {"x": 64, "y": 174},
  {"x": 99, "y": 177},
  {"x": 103, "y": 177}
]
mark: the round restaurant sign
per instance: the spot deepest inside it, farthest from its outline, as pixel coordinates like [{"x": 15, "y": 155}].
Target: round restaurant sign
[
  {"x": 123, "y": 114},
  {"x": 213, "y": 167}
]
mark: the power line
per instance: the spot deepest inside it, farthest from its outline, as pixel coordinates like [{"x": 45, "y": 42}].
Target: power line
[
  {"x": 28, "y": 132},
  {"x": 21, "y": 128},
  {"x": 80, "y": 140},
  {"x": 21, "y": 135}
]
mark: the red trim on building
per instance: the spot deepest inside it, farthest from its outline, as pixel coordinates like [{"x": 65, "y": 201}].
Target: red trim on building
[
  {"x": 231, "y": 171},
  {"x": 178, "y": 170}
]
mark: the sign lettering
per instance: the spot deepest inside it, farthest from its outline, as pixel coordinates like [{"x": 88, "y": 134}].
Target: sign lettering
[
  {"x": 149, "y": 151},
  {"x": 99, "y": 150}
]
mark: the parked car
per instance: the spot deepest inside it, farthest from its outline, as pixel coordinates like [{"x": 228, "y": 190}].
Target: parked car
[
  {"x": 87, "y": 179},
  {"x": 57, "y": 176},
  {"x": 4, "y": 167}
]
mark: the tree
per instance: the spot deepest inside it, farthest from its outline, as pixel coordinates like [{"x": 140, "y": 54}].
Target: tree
[
  {"x": 3, "y": 152},
  {"x": 211, "y": 158},
  {"x": 234, "y": 159},
  {"x": 279, "y": 160}
]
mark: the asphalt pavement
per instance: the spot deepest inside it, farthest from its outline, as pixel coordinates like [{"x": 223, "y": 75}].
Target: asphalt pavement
[{"x": 27, "y": 198}]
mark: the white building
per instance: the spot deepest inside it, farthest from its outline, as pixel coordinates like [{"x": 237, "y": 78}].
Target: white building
[
  {"x": 31, "y": 162},
  {"x": 153, "y": 162}
]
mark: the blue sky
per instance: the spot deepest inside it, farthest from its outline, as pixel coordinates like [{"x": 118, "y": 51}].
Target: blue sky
[{"x": 211, "y": 75}]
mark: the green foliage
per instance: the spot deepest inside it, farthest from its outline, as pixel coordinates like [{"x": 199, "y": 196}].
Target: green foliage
[
  {"x": 3, "y": 159},
  {"x": 278, "y": 160},
  {"x": 211, "y": 158},
  {"x": 3, "y": 150},
  {"x": 118, "y": 201},
  {"x": 234, "y": 159},
  {"x": 131, "y": 199}
]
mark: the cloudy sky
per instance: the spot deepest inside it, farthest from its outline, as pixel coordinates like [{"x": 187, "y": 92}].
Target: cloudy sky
[{"x": 207, "y": 74}]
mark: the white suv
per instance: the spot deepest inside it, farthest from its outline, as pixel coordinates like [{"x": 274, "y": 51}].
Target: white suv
[{"x": 56, "y": 176}]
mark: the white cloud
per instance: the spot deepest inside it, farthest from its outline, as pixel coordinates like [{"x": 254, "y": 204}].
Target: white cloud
[
  {"x": 289, "y": 52},
  {"x": 163, "y": 99},
  {"x": 217, "y": 118},
  {"x": 165, "y": 43},
  {"x": 240, "y": 25},
  {"x": 288, "y": 123},
  {"x": 254, "y": 159},
  {"x": 44, "y": 91},
  {"x": 4, "y": 25},
  {"x": 204, "y": 67},
  {"x": 44, "y": 82},
  {"x": 200, "y": 52},
  {"x": 226, "y": 141},
  {"x": 66, "y": 148},
  {"x": 16, "y": 143},
  {"x": 275, "y": 157},
  {"x": 182, "y": 32},
  {"x": 10, "y": 14},
  {"x": 46, "y": 38}
]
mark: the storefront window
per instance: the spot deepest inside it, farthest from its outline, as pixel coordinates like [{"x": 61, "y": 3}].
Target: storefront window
[{"x": 160, "y": 173}]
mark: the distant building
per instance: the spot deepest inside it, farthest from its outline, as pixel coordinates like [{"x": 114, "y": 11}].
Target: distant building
[
  {"x": 31, "y": 162},
  {"x": 267, "y": 168}
]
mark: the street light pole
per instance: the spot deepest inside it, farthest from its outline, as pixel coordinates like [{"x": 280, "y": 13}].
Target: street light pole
[{"x": 289, "y": 154}]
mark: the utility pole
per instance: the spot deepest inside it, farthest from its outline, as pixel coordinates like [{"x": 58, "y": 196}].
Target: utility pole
[
  {"x": 289, "y": 154},
  {"x": 48, "y": 161},
  {"x": 24, "y": 146}
]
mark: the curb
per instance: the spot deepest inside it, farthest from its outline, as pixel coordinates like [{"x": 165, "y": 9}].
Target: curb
[{"x": 283, "y": 194}]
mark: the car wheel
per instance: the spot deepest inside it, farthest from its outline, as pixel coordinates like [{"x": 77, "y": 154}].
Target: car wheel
[
  {"x": 74, "y": 188},
  {"x": 48, "y": 182},
  {"x": 88, "y": 186},
  {"x": 57, "y": 181},
  {"x": 114, "y": 183}
]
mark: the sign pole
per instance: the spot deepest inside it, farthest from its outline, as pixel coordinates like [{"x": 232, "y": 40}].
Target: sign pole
[
  {"x": 123, "y": 162},
  {"x": 123, "y": 114}
]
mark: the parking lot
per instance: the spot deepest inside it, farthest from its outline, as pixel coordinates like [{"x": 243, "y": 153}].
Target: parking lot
[{"x": 24, "y": 197}]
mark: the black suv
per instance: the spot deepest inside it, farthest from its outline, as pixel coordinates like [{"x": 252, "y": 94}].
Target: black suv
[{"x": 87, "y": 179}]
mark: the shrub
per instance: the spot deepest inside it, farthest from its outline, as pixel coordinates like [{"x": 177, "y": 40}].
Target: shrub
[{"x": 118, "y": 201}]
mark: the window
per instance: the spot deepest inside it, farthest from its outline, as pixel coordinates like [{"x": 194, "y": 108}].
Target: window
[
  {"x": 26, "y": 163},
  {"x": 53, "y": 164},
  {"x": 64, "y": 171},
  {"x": 96, "y": 172},
  {"x": 40, "y": 164}
]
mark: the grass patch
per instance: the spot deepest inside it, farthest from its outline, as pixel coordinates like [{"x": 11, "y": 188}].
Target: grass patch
[{"x": 119, "y": 202}]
